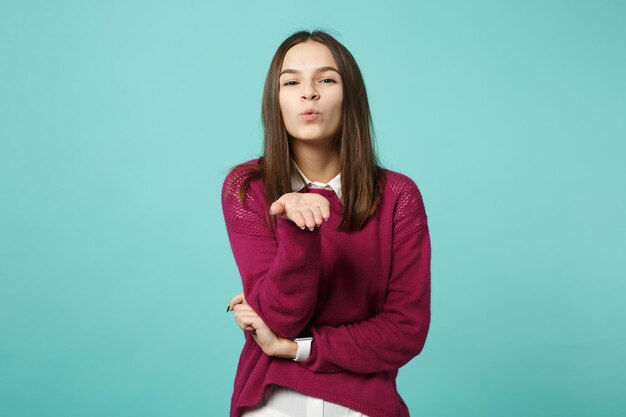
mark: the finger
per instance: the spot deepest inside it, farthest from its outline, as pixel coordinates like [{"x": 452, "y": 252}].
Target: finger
[
  {"x": 317, "y": 214},
  {"x": 240, "y": 324},
  {"x": 247, "y": 322},
  {"x": 325, "y": 209},
  {"x": 277, "y": 207},
  {"x": 239, "y": 298},
  {"x": 298, "y": 219},
  {"x": 250, "y": 321},
  {"x": 309, "y": 218},
  {"x": 247, "y": 328},
  {"x": 243, "y": 307},
  {"x": 240, "y": 314}
]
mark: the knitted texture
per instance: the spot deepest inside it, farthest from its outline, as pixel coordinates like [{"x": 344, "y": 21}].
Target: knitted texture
[{"x": 365, "y": 296}]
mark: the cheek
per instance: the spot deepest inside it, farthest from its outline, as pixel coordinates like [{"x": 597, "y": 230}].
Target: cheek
[
  {"x": 337, "y": 109},
  {"x": 286, "y": 112},
  {"x": 282, "y": 103}
]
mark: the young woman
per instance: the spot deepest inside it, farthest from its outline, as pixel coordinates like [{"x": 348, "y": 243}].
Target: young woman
[{"x": 333, "y": 250}]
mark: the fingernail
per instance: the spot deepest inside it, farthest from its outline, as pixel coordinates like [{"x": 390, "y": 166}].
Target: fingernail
[{"x": 302, "y": 228}]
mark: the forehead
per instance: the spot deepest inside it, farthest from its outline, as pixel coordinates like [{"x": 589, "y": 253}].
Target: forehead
[{"x": 308, "y": 55}]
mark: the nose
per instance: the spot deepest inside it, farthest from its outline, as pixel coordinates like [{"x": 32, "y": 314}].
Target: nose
[{"x": 309, "y": 92}]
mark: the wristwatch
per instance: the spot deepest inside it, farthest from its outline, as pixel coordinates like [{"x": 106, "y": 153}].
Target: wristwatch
[{"x": 304, "y": 346}]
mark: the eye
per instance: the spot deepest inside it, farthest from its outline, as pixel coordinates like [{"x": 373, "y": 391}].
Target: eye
[
  {"x": 290, "y": 83},
  {"x": 327, "y": 81}
]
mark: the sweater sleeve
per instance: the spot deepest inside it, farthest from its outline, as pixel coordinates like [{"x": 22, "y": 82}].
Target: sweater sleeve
[
  {"x": 278, "y": 268},
  {"x": 391, "y": 338}
]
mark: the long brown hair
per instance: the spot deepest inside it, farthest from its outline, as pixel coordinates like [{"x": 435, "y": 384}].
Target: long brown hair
[{"x": 361, "y": 174}]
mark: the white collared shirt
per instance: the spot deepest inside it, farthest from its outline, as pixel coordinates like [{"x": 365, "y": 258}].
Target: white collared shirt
[{"x": 297, "y": 184}]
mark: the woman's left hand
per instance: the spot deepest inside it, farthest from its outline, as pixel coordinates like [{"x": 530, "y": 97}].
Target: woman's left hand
[{"x": 248, "y": 320}]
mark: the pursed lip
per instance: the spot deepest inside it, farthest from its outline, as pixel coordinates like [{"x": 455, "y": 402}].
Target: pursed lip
[
  {"x": 309, "y": 111},
  {"x": 310, "y": 116}
]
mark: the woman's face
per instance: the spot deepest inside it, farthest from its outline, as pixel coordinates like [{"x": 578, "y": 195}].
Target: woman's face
[{"x": 311, "y": 93}]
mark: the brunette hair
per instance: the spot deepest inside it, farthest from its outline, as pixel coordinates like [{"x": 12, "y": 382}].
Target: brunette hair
[{"x": 361, "y": 174}]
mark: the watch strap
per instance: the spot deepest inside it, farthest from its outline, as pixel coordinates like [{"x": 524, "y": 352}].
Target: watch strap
[{"x": 304, "y": 348}]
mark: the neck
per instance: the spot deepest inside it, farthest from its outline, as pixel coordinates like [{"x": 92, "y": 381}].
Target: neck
[{"x": 320, "y": 164}]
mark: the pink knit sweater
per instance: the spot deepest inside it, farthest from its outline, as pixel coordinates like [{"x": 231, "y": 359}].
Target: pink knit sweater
[{"x": 365, "y": 296}]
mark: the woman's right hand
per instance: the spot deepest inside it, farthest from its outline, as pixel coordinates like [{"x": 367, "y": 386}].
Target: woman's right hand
[{"x": 304, "y": 209}]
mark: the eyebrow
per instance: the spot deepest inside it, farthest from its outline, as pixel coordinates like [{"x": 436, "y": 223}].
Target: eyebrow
[{"x": 321, "y": 69}]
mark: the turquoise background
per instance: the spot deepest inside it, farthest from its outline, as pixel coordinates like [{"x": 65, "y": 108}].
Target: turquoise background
[{"x": 119, "y": 120}]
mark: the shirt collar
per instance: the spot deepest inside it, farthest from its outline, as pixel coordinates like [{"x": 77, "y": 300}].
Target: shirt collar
[{"x": 297, "y": 184}]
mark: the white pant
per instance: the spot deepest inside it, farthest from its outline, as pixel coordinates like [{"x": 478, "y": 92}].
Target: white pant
[{"x": 284, "y": 402}]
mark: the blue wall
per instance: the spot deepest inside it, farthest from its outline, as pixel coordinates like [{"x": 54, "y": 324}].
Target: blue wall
[{"x": 119, "y": 120}]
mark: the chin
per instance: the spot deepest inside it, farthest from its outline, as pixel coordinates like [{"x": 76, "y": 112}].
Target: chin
[{"x": 311, "y": 136}]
